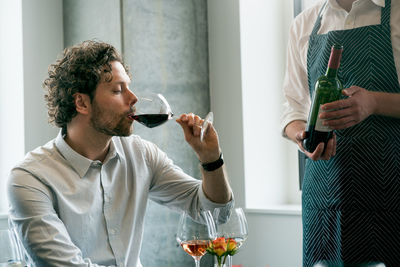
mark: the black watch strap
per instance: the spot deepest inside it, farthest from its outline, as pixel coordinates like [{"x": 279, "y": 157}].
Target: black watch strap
[{"x": 212, "y": 166}]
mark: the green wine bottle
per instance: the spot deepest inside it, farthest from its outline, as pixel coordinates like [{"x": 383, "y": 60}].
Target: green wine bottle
[{"x": 328, "y": 88}]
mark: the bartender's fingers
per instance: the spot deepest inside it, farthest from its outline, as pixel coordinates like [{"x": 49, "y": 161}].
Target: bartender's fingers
[
  {"x": 328, "y": 153},
  {"x": 342, "y": 123},
  {"x": 334, "y": 145},
  {"x": 317, "y": 154},
  {"x": 351, "y": 90},
  {"x": 300, "y": 135}
]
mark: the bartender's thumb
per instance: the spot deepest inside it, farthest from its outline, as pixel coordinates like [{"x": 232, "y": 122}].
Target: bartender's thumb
[{"x": 301, "y": 135}]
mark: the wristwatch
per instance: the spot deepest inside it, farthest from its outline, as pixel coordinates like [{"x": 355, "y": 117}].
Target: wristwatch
[{"x": 212, "y": 166}]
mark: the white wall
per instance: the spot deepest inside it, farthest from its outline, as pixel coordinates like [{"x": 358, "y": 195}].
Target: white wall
[
  {"x": 29, "y": 47},
  {"x": 225, "y": 87},
  {"x": 275, "y": 240},
  {"x": 42, "y": 22},
  {"x": 270, "y": 160},
  {"x": 11, "y": 91}
]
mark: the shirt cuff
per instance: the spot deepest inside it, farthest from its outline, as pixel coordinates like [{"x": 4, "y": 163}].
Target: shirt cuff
[
  {"x": 207, "y": 204},
  {"x": 285, "y": 121}
]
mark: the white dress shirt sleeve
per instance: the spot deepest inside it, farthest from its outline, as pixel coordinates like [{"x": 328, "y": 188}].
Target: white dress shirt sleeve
[
  {"x": 295, "y": 85},
  {"x": 175, "y": 189},
  {"x": 34, "y": 216}
]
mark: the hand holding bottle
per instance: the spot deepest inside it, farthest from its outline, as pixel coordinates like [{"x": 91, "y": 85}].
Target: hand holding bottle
[
  {"x": 347, "y": 112},
  {"x": 322, "y": 151}
]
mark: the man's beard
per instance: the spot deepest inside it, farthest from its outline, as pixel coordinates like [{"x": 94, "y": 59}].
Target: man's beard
[{"x": 115, "y": 125}]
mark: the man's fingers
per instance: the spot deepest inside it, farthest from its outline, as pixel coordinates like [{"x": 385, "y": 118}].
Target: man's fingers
[
  {"x": 191, "y": 124},
  {"x": 196, "y": 125},
  {"x": 186, "y": 129}
]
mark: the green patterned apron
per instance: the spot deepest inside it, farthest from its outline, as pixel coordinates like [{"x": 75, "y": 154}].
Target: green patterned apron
[{"x": 351, "y": 203}]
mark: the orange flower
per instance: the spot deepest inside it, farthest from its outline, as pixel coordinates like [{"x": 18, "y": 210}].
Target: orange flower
[
  {"x": 219, "y": 246},
  {"x": 231, "y": 245}
]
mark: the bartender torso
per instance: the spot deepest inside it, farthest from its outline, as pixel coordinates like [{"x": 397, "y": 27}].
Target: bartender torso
[{"x": 351, "y": 189}]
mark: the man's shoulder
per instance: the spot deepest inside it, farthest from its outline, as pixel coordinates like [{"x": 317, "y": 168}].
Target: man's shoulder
[
  {"x": 303, "y": 23},
  {"x": 309, "y": 14},
  {"x": 38, "y": 157}
]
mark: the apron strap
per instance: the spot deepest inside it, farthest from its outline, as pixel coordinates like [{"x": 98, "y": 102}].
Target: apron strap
[
  {"x": 385, "y": 15},
  {"x": 317, "y": 23}
]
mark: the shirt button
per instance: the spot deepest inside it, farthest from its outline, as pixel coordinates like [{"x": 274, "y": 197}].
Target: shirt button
[
  {"x": 96, "y": 163},
  {"x": 107, "y": 199},
  {"x": 112, "y": 231}
]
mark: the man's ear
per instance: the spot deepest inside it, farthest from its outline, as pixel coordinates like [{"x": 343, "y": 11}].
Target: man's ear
[{"x": 82, "y": 103}]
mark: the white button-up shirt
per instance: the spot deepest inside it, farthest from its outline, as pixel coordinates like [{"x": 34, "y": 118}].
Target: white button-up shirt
[
  {"x": 363, "y": 13},
  {"x": 72, "y": 211}
]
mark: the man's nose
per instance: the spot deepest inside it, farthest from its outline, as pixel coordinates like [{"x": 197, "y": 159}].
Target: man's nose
[{"x": 132, "y": 98}]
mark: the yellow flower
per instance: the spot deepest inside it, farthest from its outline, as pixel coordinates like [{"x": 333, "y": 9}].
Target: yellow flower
[
  {"x": 219, "y": 246},
  {"x": 231, "y": 245}
]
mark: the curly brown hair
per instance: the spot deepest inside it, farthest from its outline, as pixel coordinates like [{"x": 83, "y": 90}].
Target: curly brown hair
[{"x": 79, "y": 70}]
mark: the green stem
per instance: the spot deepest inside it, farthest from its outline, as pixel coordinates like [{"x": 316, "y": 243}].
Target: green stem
[{"x": 225, "y": 259}]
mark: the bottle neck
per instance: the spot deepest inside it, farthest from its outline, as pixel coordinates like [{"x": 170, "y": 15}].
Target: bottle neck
[
  {"x": 334, "y": 61},
  {"x": 331, "y": 73}
]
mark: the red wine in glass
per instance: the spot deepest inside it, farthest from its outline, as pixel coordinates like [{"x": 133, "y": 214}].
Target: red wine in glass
[
  {"x": 151, "y": 120},
  {"x": 152, "y": 110}
]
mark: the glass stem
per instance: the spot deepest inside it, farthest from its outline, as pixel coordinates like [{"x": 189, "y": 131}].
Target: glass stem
[
  {"x": 197, "y": 262},
  {"x": 229, "y": 261}
]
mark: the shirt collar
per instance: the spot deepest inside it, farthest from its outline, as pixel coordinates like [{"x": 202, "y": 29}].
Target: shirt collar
[
  {"x": 114, "y": 150},
  {"x": 380, "y": 3},
  {"x": 334, "y": 4},
  {"x": 78, "y": 162}
]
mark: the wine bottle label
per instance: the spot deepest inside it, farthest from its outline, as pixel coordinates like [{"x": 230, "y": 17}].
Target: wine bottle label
[{"x": 318, "y": 124}]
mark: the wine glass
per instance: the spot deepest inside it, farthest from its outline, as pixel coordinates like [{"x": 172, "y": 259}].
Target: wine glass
[
  {"x": 195, "y": 235},
  {"x": 152, "y": 110},
  {"x": 10, "y": 250},
  {"x": 231, "y": 226},
  {"x": 209, "y": 119}
]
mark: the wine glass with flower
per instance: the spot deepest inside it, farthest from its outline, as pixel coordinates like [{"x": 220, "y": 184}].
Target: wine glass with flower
[
  {"x": 232, "y": 231},
  {"x": 195, "y": 234}
]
